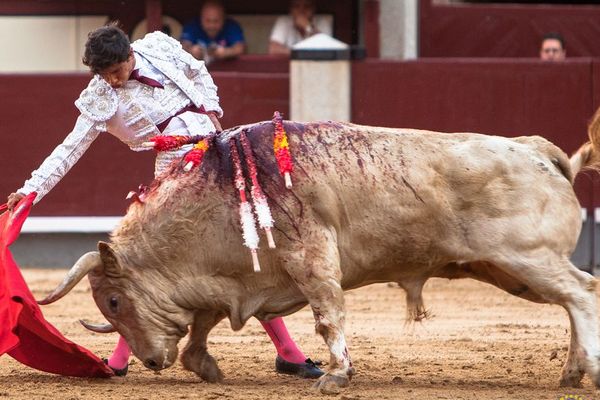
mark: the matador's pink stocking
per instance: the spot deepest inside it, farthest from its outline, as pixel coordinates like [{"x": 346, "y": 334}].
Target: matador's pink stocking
[
  {"x": 120, "y": 356},
  {"x": 286, "y": 347}
]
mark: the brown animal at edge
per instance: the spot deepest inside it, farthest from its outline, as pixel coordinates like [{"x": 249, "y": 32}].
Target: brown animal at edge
[{"x": 368, "y": 205}]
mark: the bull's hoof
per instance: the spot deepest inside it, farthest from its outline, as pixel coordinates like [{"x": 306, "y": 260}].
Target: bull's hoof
[
  {"x": 331, "y": 384},
  {"x": 117, "y": 371},
  {"x": 308, "y": 369},
  {"x": 571, "y": 383},
  {"x": 597, "y": 382},
  {"x": 572, "y": 378},
  {"x": 212, "y": 374},
  {"x": 205, "y": 366}
]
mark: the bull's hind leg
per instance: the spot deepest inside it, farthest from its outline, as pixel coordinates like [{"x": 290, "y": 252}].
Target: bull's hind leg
[
  {"x": 195, "y": 356},
  {"x": 317, "y": 272},
  {"x": 573, "y": 370},
  {"x": 560, "y": 282}
]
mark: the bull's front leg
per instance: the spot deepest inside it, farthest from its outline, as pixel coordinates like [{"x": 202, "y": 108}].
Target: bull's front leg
[
  {"x": 329, "y": 323},
  {"x": 316, "y": 270},
  {"x": 195, "y": 356}
]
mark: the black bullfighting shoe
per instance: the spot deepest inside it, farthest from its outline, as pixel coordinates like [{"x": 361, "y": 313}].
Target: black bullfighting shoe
[
  {"x": 308, "y": 369},
  {"x": 118, "y": 372}
]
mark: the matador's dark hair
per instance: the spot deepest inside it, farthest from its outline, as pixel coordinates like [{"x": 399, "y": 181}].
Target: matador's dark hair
[{"x": 106, "y": 46}]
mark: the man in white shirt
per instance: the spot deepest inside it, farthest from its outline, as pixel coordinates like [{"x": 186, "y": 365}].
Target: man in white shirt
[
  {"x": 141, "y": 90},
  {"x": 299, "y": 25}
]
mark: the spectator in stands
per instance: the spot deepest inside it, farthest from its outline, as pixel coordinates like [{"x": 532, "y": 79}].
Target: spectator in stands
[
  {"x": 300, "y": 24},
  {"x": 553, "y": 47},
  {"x": 213, "y": 36}
]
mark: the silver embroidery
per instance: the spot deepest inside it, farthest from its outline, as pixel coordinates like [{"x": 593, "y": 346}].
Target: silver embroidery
[
  {"x": 189, "y": 74},
  {"x": 98, "y": 101}
]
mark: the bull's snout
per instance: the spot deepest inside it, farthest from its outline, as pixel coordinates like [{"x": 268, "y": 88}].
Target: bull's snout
[
  {"x": 154, "y": 365},
  {"x": 158, "y": 357}
]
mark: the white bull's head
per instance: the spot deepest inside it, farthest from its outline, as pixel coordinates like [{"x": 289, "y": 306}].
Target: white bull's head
[{"x": 140, "y": 309}]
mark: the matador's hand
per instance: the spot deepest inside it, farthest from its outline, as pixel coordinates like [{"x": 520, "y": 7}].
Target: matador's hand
[
  {"x": 215, "y": 121},
  {"x": 13, "y": 200}
]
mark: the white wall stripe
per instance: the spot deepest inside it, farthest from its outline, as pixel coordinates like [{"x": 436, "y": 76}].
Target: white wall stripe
[
  {"x": 584, "y": 215},
  {"x": 70, "y": 224},
  {"x": 107, "y": 224}
]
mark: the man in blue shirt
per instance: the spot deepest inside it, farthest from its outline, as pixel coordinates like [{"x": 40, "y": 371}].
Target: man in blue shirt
[{"x": 213, "y": 36}]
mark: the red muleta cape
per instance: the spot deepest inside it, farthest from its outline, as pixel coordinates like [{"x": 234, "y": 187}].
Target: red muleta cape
[{"x": 24, "y": 333}]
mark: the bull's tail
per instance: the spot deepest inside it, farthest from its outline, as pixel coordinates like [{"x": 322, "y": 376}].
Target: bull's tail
[{"x": 588, "y": 155}]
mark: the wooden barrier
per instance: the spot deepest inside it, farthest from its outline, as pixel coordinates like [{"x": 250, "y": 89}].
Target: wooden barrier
[
  {"x": 505, "y": 30},
  {"x": 497, "y": 96},
  {"x": 507, "y": 97}
]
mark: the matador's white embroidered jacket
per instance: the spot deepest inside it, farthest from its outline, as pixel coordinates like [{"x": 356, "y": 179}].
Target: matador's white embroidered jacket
[{"x": 132, "y": 112}]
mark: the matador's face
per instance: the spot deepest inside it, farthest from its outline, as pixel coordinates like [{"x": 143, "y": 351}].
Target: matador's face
[{"x": 117, "y": 74}]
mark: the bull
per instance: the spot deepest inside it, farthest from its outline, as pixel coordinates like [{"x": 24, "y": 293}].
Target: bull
[{"x": 368, "y": 205}]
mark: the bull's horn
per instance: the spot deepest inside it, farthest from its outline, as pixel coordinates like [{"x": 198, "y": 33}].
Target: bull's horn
[
  {"x": 82, "y": 267},
  {"x": 98, "y": 328}
]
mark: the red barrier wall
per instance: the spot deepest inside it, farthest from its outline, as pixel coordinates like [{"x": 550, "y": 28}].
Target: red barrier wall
[
  {"x": 502, "y": 97},
  {"x": 593, "y": 179},
  {"x": 508, "y": 30},
  {"x": 494, "y": 96}
]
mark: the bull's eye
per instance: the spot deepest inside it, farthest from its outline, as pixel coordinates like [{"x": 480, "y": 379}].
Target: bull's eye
[{"x": 113, "y": 304}]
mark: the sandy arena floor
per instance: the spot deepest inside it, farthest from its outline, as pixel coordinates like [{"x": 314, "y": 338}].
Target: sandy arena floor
[{"x": 480, "y": 344}]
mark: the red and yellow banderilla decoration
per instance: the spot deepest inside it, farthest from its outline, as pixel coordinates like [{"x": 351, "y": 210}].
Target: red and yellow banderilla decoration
[
  {"x": 193, "y": 158},
  {"x": 167, "y": 142},
  {"x": 282, "y": 151},
  {"x": 249, "y": 232},
  {"x": 261, "y": 207}
]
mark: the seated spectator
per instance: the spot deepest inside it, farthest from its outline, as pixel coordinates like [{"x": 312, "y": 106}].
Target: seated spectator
[
  {"x": 213, "y": 36},
  {"x": 297, "y": 26},
  {"x": 553, "y": 47}
]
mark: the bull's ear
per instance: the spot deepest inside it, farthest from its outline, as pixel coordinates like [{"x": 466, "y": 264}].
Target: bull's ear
[{"x": 109, "y": 259}]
